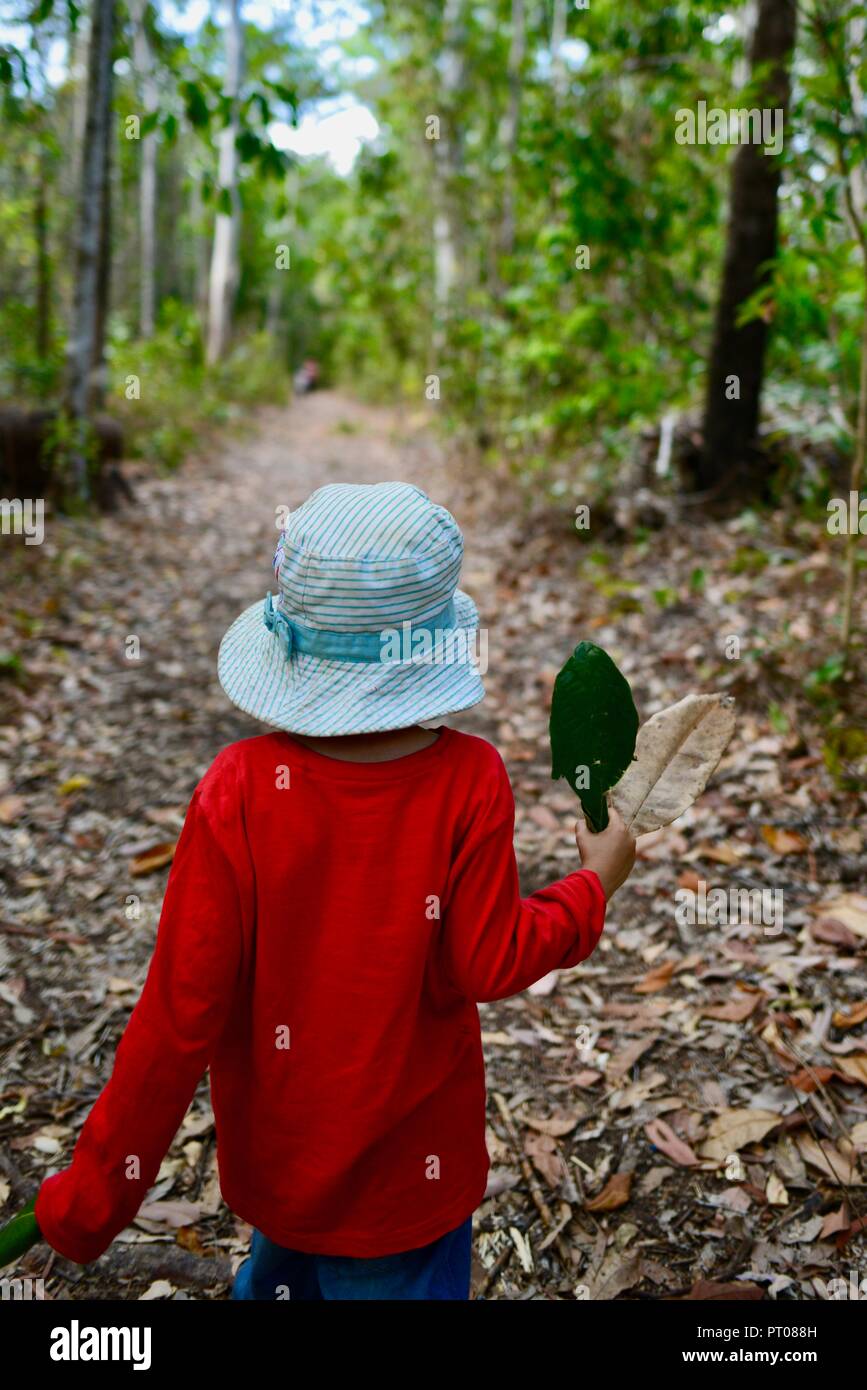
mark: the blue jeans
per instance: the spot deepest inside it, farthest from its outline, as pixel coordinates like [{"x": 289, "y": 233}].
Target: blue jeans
[{"x": 440, "y": 1270}]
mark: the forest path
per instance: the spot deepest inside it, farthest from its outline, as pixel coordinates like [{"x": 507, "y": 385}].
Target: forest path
[{"x": 99, "y": 755}]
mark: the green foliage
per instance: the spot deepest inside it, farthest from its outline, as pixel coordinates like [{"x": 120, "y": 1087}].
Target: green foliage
[
  {"x": 552, "y": 367},
  {"x": 180, "y": 396}
]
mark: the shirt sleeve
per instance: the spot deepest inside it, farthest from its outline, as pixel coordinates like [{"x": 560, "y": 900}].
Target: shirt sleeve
[
  {"x": 497, "y": 943},
  {"x": 164, "y": 1050}
]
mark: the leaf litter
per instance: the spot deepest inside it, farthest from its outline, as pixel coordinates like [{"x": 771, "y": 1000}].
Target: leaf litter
[{"x": 682, "y": 1116}]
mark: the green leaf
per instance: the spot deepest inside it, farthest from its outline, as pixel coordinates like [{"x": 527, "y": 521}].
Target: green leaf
[
  {"x": 593, "y": 727},
  {"x": 198, "y": 114},
  {"x": 18, "y": 1235}
]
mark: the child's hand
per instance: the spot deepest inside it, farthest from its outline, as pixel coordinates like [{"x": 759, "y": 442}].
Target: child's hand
[{"x": 610, "y": 853}]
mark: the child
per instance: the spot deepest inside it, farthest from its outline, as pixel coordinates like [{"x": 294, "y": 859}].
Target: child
[{"x": 343, "y": 892}]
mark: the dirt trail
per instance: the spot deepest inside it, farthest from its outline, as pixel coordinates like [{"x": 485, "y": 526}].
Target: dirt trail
[{"x": 99, "y": 755}]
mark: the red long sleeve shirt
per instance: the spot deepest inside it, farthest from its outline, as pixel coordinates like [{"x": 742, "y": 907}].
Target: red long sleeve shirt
[{"x": 326, "y": 932}]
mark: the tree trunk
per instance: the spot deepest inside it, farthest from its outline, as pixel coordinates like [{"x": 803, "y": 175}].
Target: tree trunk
[
  {"x": 143, "y": 61},
  {"x": 736, "y": 368},
  {"x": 43, "y": 258},
  {"x": 224, "y": 260},
  {"x": 509, "y": 128},
  {"x": 86, "y": 337},
  {"x": 447, "y": 163}
]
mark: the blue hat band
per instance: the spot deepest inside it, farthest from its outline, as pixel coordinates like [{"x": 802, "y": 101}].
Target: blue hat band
[{"x": 357, "y": 646}]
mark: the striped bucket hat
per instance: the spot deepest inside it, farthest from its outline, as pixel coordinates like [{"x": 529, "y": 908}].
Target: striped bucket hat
[{"x": 368, "y": 630}]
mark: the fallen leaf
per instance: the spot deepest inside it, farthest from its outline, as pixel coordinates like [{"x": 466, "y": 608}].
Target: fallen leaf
[
  {"x": 500, "y": 1182},
  {"x": 858, "y": 1135},
  {"x": 560, "y": 1123},
  {"x": 734, "y": 1129},
  {"x": 856, "y": 1015},
  {"x": 776, "y": 1193},
  {"x": 835, "y": 1221},
  {"x": 657, "y": 978},
  {"x": 76, "y": 783},
  {"x": 624, "y": 1061},
  {"x": 842, "y": 1171},
  {"x": 834, "y": 933},
  {"x": 543, "y": 1151},
  {"x": 174, "y": 1213},
  {"x": 784, "y": 841},
  {"x": 11, "y": 808},
  {"x": 156, "y": 858},
  {"x": 587, "y": 1077},
  {"x": 736, "y": 1009},
  {"x": 615, "y": 1193},
  {"x": 664, "y": 1138},
  {"x": 850, "y": 910},
  {"x": 615, "y": 1275},
  {"x": 160, "y": 1288},
  {"x": 707, "y": 1291},
  {"x": 810, "y": 1078},
  {"x": 855, "y": 1068}
]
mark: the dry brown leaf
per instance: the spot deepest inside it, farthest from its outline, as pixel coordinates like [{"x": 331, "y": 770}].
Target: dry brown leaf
[
  {"x": 842, "y": 1171},
  {"x": 625, "y": 1060},
  {"x": 706, "y": 1291},
  {"x": 156, "y": 858},
  {"x": 11, "y": 808},
  {"x": 850, "y": 910},
  {"x": 854, "y": 1068},
  {"x": 656, "y": 979},
  {"x": 560, "y": 1123},
  {"x": 615, "y": 1194},
  {"x": 834, "y": 933},
  {"x": 734, "y": 1129},
  {"x": 835, "y": 1221},
  {"x": 856, "y": 1015},
  {"x": 543, "y": 1152},
  {"x": 784, "y": 841},
  {"x": 736, "y": 1009},
  {"x": 727, "y": 852},
  {"x": 858, "y": 1135},
  {"x": 809, "y": 1078},
  {"x": 676, "y": 753}
]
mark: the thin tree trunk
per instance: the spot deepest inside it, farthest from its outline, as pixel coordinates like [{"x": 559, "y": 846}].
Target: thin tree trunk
[
  {"x": 224, "y": 260},
  {"x": 143, "y": 62},
  {"x": 736, "y": 368},
  {"x": 558, "y": 38},
  {"x": 201, "y": 248},
  {"x": 85, "y": 350},
  {"x": 509, "y": 128},
  {"x": 448, "y": 161},
  {"x": 855, "y": 482},
  {"x": 43, "y": 258}
]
